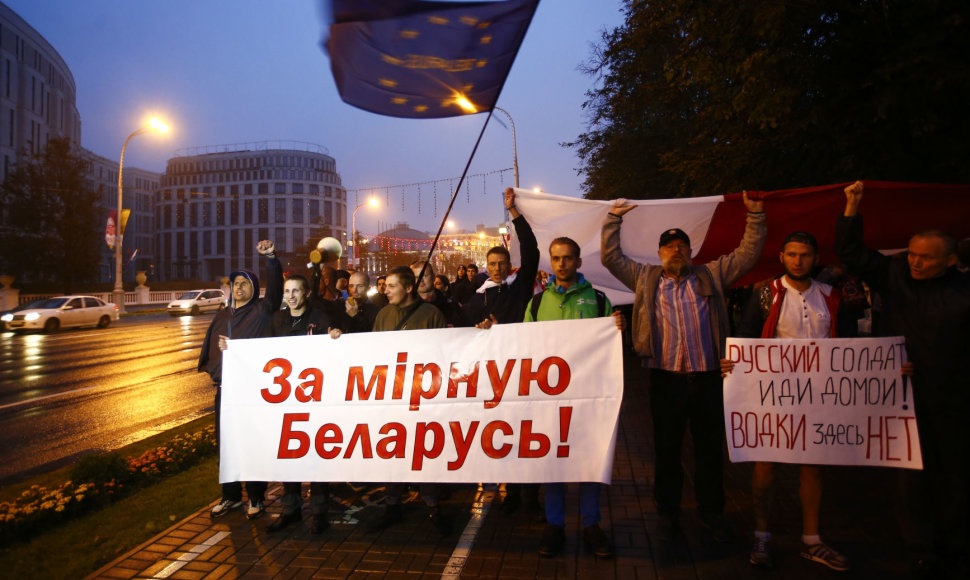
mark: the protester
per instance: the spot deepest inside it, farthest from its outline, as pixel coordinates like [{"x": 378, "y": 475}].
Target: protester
[
  {"x": 341, "y": 283},
  {"x": 442, "y": 284},
  {"x": 406, "y": 311},
  {"x": 793, "y": 306},
  {"x": 474, "y": 280},
  {"x": 925, "y": 300},
  {"x": 680, "y": 323},
  {"x": 359, "y": 307},
  {"x": 300, "y": 318},
  {"x": 430, "y": 294},
  {"x": 502, "y": 299},
  {"x": 248, "y": 316},
  {"x": 380, "y": 299},
  {"x": 461, "y": 289},
  {"x": 569, "y": 296}
]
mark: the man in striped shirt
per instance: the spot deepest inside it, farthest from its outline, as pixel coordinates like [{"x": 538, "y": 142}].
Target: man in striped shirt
[{"x": 680, "y": 322}]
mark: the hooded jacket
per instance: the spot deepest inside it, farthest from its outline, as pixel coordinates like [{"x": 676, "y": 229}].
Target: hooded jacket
[
  {"x": 506, "y": 301},
  {"x": 251, "y": 320}
]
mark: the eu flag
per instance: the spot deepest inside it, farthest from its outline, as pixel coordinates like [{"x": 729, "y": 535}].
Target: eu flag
[{"x": 422, "y": 59}]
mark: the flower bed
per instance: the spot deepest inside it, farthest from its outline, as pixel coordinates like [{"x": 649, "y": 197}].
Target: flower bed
[{"x": 106, "y": 477}]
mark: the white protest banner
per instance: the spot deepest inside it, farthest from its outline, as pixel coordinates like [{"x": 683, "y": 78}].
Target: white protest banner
[
  {"x": 532, "y": 402},
  {"x": 820, "y": 401}
]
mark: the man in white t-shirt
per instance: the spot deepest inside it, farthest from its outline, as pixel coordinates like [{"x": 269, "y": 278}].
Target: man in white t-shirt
[{"x": 792, "y": 306}]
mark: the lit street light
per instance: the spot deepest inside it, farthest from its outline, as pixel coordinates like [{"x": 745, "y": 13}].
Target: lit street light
[
  {"x": 372, "y": 201},
  {"x": 118, "y": 295}
]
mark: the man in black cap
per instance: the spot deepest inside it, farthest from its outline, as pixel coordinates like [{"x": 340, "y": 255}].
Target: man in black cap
[{"x": 680, "y": 322}]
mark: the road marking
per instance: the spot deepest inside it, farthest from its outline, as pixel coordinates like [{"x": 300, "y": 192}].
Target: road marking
[
  {"x": 483, "y": 499},
  {"x": 55, "y": 395},
  {"x": 192, "y": 554}
]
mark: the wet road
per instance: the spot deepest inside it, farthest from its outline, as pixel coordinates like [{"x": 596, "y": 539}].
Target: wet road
[{"x": 79, "y": 390}]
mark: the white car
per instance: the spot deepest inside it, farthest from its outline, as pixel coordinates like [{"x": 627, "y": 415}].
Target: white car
[
  {"x": 195, "y": 301},
  {"x": 49, "y": 314}
]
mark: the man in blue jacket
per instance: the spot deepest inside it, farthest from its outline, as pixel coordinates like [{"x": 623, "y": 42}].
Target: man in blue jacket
[
  {"x": 248, "y": 316},
  {"x": 568, "y": 296}
]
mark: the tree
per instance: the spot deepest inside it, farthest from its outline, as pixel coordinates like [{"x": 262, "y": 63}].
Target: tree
[
  {"x": 50, "y": 232},
  {"x": 700, "y": 98}
]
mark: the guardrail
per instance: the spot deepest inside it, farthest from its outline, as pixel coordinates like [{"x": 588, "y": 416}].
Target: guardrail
[{"x": 131, "y": 298}]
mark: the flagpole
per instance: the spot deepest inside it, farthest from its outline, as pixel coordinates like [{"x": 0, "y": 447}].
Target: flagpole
[{"x": 454, "y": 196}]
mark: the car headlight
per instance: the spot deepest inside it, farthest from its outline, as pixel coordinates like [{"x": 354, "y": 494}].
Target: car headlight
[
  {"x": 7, "y": 318},
  {"x": 32, "y": 317},
  {"x": 185, "y": 305}
]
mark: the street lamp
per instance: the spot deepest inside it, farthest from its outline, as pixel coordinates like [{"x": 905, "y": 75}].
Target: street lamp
[
  {"x": 372, "y": 201},
  {"x": 515, "y": 153},
  {"x": 118, "y": 295}
]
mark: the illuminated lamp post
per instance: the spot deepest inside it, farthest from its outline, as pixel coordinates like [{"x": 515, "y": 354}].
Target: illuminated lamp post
[
  {"x": 118, "y": 294},
  {"x": 372, "y": 201}
]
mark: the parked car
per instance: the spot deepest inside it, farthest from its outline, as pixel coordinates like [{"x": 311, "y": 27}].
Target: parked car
[
  {"x": 195, "y": 301},
  {"x": 49, "y": 314}
]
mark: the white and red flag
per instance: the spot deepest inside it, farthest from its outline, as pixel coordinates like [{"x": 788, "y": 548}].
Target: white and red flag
[{"x": 892, "y": 212}]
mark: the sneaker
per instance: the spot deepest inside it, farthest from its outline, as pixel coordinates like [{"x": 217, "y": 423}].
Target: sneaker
[
  {"x": 761, "y": 553},
  {"x": 667, "y": 528},
  {"x": 597, "y": 542},
  {"x": 390, "y": 516},
  {"x": 283, "y": 521},
  {"x": 224, "y": 506},
  {"x": 320, "y": 523},
  {"x": 717, "y": 525},
  {"x": 825, "y": 555},
  {"x": 552, "y": 540},
  {"x": 440, "y": 521},
  {"x": 254, "y": 510}
]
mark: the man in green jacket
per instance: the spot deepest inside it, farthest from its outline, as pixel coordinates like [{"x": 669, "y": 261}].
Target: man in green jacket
[{"x": 568, "y": 296}]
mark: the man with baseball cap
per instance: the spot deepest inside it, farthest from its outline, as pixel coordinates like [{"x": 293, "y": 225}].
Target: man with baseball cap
[{"x": 680, "y": 322}]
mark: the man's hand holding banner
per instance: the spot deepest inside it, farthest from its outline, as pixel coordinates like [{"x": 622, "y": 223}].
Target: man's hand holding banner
[
  {"x": 514, "y": 403},
  {"x": 820, "y": 401}
]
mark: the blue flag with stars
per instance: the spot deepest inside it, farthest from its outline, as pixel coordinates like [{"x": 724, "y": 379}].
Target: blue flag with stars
[{"x": 422, "y": 59}]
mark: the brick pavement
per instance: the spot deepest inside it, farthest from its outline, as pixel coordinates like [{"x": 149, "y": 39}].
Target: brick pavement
[{"x": 856, "y": 519}]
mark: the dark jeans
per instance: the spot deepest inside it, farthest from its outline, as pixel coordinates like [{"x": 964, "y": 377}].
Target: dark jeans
[
  {"x": 675, "y": 399},
  {"x": 256, "y": 490}
]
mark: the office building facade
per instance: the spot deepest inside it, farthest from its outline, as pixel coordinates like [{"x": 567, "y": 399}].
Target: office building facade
[{"x": 215, "y": 203}]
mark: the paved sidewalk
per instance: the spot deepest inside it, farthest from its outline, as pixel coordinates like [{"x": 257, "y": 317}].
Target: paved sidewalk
[{"x": 857, "y": 519}]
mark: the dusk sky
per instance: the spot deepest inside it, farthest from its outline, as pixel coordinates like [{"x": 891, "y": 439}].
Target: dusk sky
[{"x": 236, "y": 71}]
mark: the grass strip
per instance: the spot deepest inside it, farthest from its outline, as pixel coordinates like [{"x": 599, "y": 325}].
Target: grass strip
[{"x": 81, "y": 546}]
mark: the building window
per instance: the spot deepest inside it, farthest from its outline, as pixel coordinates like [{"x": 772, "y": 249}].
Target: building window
[
  {"x": 248, "y": 212},
  {"x": 193, "y": 215},
  {"x": 207, "y": 214},
  {"x": 263, "y": 212},
  {"x": 327, "y": 212},
  {"x": 263, "y": 189},
  {"x": 234, "y": 213},
  {"x": 314, "y": 188},
  {"x": 180, "y": 216},
  {"x": 279, "y": 188},
  {"x": 280, "y": 238},
  {"x": 314, "y": 209},
  {"x": 297, "y": 208},
  {"x": 220, "y": 242},
  {"x": 297, "y": 188},
  {"x": 220, "y": 213},
  {"x": 279, "y": 207},
  {"x": 248, "y": 189}
]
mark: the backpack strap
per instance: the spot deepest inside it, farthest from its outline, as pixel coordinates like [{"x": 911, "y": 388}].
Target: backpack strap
[
  {"x": 534, "y": 309},
  {"x": 600, "y": 302}
]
